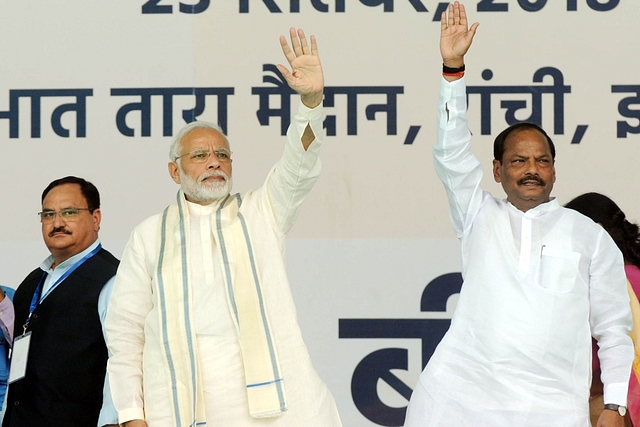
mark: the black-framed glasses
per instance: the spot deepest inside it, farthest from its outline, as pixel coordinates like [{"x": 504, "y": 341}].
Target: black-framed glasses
[
  {"x": 67, "y": 214},
  {"x": 200, "y": 156}
]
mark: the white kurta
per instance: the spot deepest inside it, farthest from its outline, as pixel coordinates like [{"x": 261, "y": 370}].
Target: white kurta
[
  {"x": 537, "y": 286},
  {"x": 140, "y": 384}
]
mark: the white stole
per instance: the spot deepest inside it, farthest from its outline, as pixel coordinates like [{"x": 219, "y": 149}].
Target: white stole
[{"x": 265, "y": 388}]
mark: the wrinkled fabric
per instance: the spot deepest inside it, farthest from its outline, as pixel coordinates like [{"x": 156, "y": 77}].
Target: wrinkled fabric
[
  {"x": 140, "y": 385},
  {"x": 537, "y": 286}
]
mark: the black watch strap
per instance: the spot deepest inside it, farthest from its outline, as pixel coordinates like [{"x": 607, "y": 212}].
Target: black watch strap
[{"x": 622, "y": 410}]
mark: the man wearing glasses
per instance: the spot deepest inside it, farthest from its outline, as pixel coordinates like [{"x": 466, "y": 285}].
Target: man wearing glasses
[
  {"x": 202, "y": 326},
  {"x": 59, "y": 311}
]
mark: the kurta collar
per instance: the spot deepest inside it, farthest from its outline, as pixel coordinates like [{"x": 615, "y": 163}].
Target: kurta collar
[{"x": 541, "y": 209}]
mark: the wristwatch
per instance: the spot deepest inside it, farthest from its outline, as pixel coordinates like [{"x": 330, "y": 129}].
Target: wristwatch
[{"x": 622, "y": 410}]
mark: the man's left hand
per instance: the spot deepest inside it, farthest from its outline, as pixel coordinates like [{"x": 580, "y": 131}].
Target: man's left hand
[
  {"x": 610, "y": 419},
  {"x": 306, "y": 76}
]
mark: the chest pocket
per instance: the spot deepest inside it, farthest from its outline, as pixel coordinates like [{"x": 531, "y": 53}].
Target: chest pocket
[{"x": 557, "y": 269}]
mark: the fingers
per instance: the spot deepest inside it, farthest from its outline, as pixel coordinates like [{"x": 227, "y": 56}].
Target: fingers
[
  {"x": 284, "y": 71},
  {"x": 456, "y": 15},
  {"x": 299, "y": 45},
  {"x": 295, "y": 42},
  {"x": 451, "y": 21},
  {"x": 286, "y": 50},
  {"x": 299, "y": 42},
  {"x": 303, "y": 42},
  {"x": 473, "y": 29},
  {"x": 463, "y": 15}
]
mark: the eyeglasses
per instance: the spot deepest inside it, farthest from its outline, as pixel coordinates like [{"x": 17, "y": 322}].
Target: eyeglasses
[
  {"x": 201, "y": 156},
  {"x": 68, "y": 214}
]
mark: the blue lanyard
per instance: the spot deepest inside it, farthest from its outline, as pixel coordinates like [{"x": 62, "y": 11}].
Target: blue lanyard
[{"x": 37, "y": 298}]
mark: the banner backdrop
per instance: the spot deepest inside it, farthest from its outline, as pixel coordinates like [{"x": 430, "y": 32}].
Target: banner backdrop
[{"x": 96, "y": 89}]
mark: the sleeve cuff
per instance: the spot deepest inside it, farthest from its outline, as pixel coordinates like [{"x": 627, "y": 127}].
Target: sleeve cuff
[
  {"x": 309, "y": 114},
  {"x": 616, "y": 393},
  {"x": 130, "y": 415}
]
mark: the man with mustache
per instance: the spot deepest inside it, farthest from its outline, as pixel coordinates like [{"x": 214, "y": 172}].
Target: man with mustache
[
  {"x": 59, "y": 310},
  {"x": 202, "y": 326},
  {"x": 539, "y": 281}
]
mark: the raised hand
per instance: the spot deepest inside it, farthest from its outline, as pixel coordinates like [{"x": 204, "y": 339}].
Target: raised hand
[
  {"x": 306, "y": 76},
  {"x": 455, "y": 35}
]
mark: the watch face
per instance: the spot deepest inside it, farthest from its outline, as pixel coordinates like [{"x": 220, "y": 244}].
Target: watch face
[{"x": 621, "y": 410}]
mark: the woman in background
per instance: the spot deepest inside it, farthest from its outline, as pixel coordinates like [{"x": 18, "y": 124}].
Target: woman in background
[{"x": 626, "y": 235}]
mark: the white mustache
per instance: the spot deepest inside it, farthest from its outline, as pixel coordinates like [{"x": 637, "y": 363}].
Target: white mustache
[{"x": 213, "y": 173}]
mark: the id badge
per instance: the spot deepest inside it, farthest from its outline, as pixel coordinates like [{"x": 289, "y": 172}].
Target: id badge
[{"x": 19, "y": 355}]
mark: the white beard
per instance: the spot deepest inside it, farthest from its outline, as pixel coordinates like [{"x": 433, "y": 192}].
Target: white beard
[{"x": 205, "y": 192}]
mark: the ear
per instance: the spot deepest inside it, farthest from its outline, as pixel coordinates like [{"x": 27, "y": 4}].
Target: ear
[
  {"x": 496, "y": 171},
  {"x": 174, "y": 171},
  {"x": 97, "y": 217}
]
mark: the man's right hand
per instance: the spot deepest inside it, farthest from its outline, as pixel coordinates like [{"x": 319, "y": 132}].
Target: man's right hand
[
  {"x": 455, "y": 35},
  {"x": 306, "y": 76},
  {"x": 135, "y": 423}
]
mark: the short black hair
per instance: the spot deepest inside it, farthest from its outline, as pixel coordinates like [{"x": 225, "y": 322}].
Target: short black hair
[
  {"x": 89, "y": 191},
  {"x": 498, "y": 143}
]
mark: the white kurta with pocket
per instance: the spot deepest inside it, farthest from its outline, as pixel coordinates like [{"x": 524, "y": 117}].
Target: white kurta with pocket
[{"x": 537, "y": 286}]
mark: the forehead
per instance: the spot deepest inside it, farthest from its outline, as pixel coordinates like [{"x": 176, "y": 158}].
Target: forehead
[
  {"x": 526, "y": 141},
  {"x": 203, "y": 138},
  {"x": 65, "y": 195}
]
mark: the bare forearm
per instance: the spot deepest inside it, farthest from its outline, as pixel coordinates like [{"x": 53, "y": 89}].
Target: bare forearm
[{"x": 307, "y": 137}]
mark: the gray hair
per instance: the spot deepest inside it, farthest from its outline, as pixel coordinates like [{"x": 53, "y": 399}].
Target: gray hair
[{"x": 175, "y": 145}]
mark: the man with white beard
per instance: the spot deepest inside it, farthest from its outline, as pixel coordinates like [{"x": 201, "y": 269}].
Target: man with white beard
[{"x": 201, "y": 326}]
